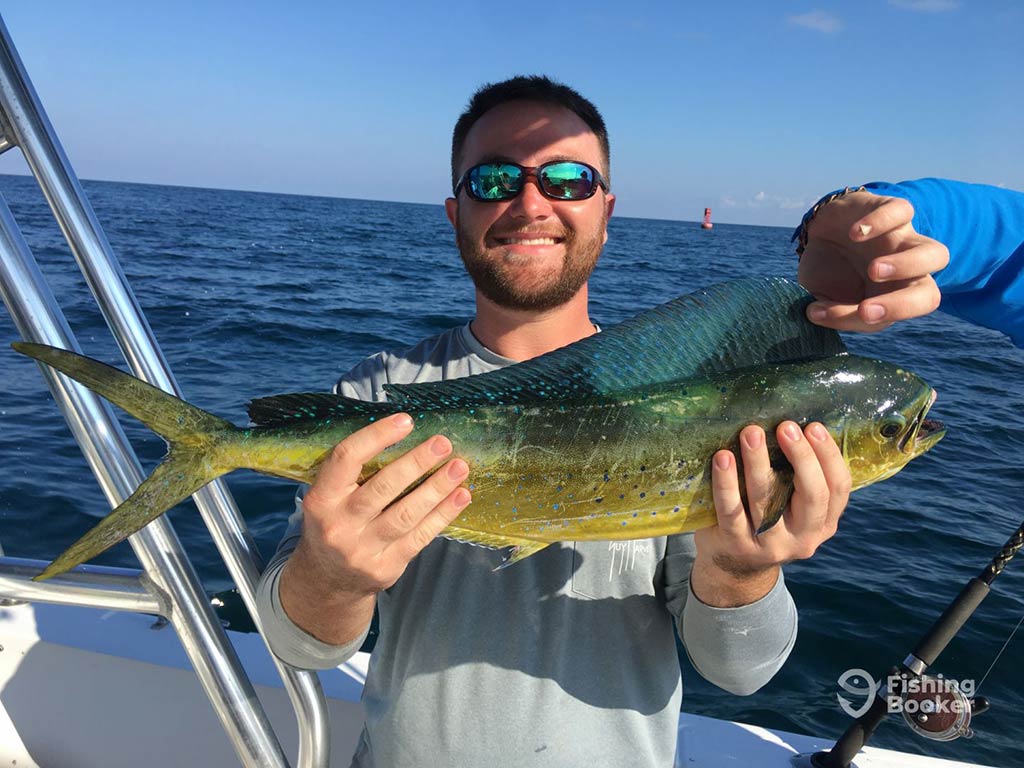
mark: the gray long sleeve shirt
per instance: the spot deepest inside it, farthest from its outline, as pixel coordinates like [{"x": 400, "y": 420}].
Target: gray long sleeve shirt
[{"x": 567, "y": 658}]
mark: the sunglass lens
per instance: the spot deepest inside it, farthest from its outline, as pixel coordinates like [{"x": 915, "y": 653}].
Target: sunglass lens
[
  {"x": 495, "y": 181},
  {"x": 567, "y": 181}
]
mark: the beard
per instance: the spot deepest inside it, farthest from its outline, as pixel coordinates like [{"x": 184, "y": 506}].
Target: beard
[{"x": 498, "y": 275}]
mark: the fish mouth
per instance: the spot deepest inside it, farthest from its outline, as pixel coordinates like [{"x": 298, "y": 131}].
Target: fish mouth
[{"x": 923, "y": 432}]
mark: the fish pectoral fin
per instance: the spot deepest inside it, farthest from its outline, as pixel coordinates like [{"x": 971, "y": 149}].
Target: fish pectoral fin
[
  {"x": 778, "y": 498},
  {"x": 521, "y": 548},
  {"x": 521, "y": 552},
  {"x": 482, "y": 538}
]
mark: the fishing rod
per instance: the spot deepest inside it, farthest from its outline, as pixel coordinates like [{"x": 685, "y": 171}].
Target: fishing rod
[{"x": 933, "y": 707}]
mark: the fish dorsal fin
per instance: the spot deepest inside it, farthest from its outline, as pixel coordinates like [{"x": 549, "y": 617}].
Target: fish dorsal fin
[
  {"x": 306, "y": 407},
  {"x": 733, "y": 325}
]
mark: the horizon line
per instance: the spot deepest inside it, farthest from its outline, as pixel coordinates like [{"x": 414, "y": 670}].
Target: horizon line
[{"x": 359, "y": 199}]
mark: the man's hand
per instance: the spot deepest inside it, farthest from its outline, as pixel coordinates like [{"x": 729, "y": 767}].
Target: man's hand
[
  {"x": 736, "y": 566},
  {"x": 866, "y": 264},
  {"x": 357, "y": 539}
]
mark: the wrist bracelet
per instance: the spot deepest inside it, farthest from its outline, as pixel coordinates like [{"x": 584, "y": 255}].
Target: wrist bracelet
[{"x": 801, "y": 233}]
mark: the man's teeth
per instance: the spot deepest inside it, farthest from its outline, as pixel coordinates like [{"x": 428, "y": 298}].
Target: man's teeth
[{"x": 528, "y": 241}]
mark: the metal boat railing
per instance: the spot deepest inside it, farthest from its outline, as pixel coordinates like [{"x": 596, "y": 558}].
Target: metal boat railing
[{"x": 167, "y": 584}]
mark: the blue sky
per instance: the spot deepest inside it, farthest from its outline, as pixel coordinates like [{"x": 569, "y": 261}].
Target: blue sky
[{"x": 752, "y": 108}]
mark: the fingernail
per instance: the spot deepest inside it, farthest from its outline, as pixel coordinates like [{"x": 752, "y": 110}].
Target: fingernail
[
  {"x": 440, "y": 446},
  {"x": 818, "y": 432},
  {"x": 403, "y": 421},
  {"x": 816, "y": 313},
  {"x": 884, "y": 269},
  {"x": 461, "y": 498},
  {"x": 753, "y": 438},
  {"x": 457, "y": 470},
  {"x": 792, "y": 431},
  {"x": 865, "y": 230},
  {"x": 723, "y": 460},
  {"x": 873, "y": 313}
]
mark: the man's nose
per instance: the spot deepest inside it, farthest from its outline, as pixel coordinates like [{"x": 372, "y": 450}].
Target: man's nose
[{"x": 531, "y": 202}]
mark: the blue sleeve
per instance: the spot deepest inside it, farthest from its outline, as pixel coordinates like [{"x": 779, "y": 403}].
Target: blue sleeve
[{"x": 983, "y": 227}]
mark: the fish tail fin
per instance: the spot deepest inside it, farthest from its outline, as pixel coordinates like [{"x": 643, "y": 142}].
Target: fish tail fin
[
  {"x": 170, "y": 417},
  {"x": 182, "y": 473},
  {"x": 194, "y": 457}
]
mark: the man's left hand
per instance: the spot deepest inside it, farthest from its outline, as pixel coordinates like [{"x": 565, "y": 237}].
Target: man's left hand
[{"x": 734, "y": 565}]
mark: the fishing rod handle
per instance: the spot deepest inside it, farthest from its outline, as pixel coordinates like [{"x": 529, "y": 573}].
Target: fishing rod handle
[
  {"x": 856, "y": 735},
  {"x": 960, "y": 610},
  {"x": 949, "y": 623}
]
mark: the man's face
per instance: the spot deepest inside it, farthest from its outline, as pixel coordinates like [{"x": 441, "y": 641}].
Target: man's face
[{"x": 531, "y": 252}]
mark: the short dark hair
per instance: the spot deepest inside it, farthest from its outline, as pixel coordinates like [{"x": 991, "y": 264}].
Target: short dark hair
[{"x": 528, "y": 88}]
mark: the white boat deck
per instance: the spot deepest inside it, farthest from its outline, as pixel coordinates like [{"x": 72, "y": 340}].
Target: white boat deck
[{"x": 81, "y": 687}]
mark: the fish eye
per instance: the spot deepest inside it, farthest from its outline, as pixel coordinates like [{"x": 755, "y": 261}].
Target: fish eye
[{"x": 892, "y": 426}]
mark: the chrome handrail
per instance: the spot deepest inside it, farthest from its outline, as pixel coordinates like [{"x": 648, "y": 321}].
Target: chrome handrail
[
  {"x": 39, "y": 318},
  {"x": 93, "y": 586}
]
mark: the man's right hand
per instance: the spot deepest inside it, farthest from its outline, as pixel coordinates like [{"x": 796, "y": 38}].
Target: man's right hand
[{"x": 357, "y": 539}]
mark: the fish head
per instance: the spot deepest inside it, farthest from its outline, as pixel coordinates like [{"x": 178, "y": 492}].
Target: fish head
[{"x": 885, "y": 420}]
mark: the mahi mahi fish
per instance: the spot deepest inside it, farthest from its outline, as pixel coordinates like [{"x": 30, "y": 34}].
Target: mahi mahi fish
[{"x": 607, "y": 438}]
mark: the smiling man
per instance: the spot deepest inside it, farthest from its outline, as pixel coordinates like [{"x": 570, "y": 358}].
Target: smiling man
[
  {"x": 534, "y": 253},
  {"x": 567, "y": 658}
]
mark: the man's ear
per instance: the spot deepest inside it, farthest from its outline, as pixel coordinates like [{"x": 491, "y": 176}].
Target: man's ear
[
  {"x": 451, "y": 210},
  {"x": 609, "y": 206}
]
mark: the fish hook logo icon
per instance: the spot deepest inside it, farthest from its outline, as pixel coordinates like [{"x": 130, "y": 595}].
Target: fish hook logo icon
[{"x": 860, "y": 683}]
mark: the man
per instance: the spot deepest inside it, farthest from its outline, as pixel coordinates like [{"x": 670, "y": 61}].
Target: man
[{"x": 549, "y": 662}]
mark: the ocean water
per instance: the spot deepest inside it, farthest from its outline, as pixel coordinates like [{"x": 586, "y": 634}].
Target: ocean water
[{"x": 256, "y": 294}]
